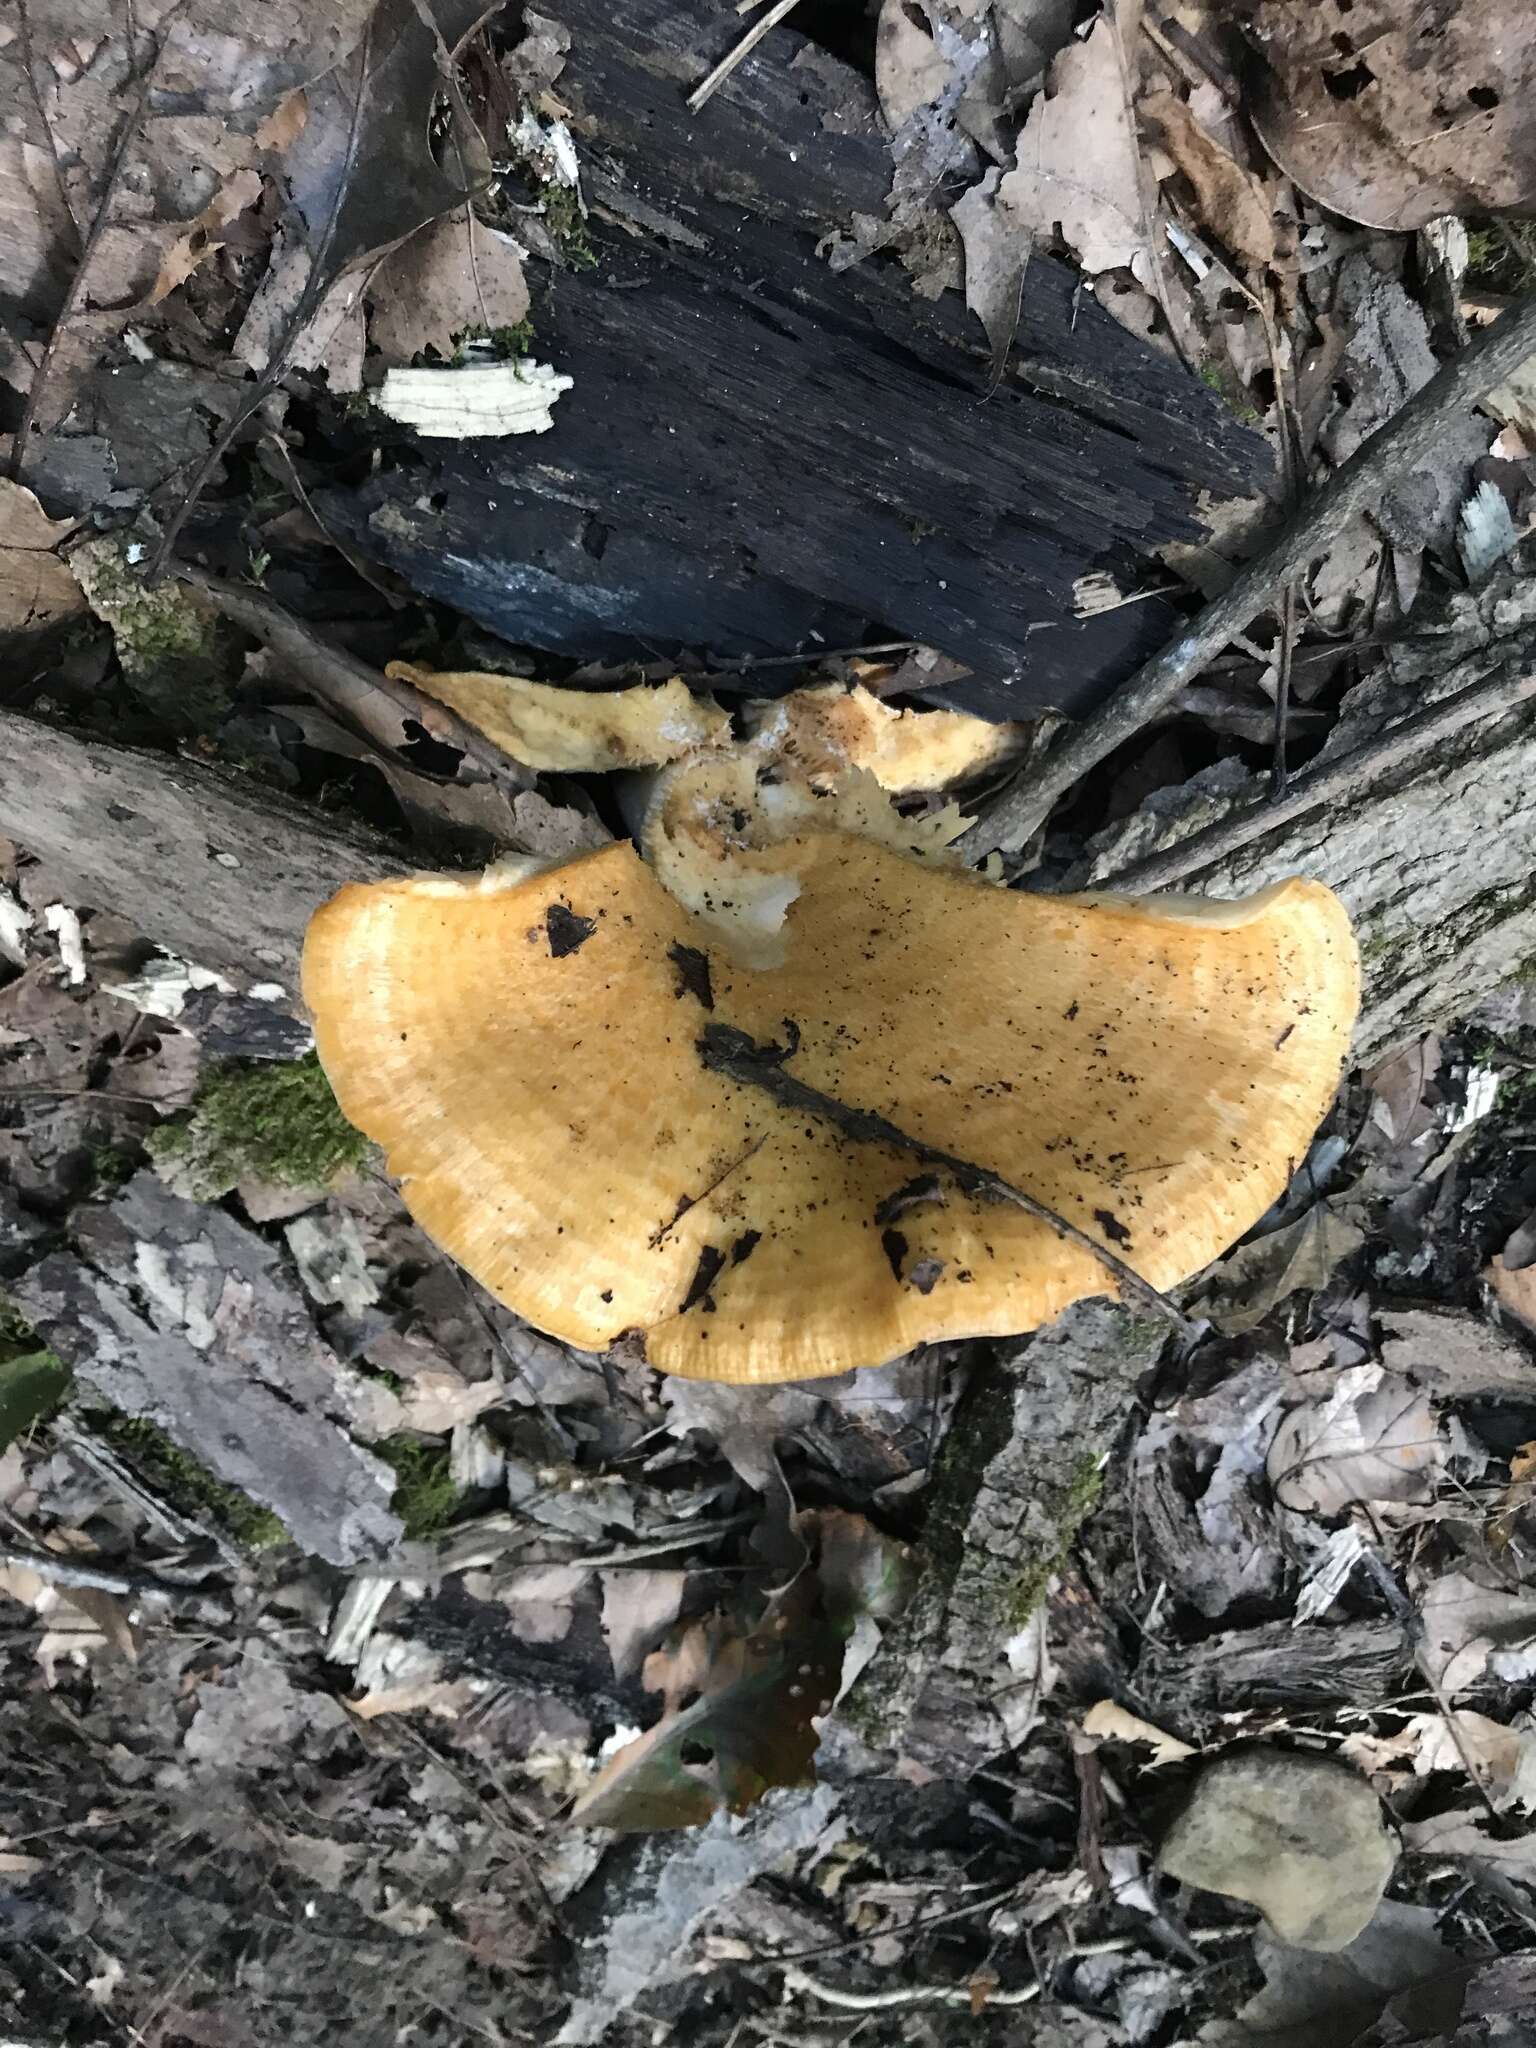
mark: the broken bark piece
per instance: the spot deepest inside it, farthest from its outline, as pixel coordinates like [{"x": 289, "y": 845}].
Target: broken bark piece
[
  {"x": 759, "y": 449},
  {"x": 1018, "y": 1474},
  {"x": 177, "y": 1313},
  {"x": 1147, "y": 1070},
  {"x": 633, "y": 1922}
]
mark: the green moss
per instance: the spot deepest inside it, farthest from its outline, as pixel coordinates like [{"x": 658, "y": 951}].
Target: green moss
[
  {"x": 16, "y": 1333},
  {"x": 1085, "y": 1483},
  {"x": 567, "y": 226},
  {"x": 34, "y": 1381},
  {"x": 1492, "y": 264},
  {"x": 508, "y": 344},
  {"x": 185, "y": 1484},
  {"x": 174, "y": 655},
  {"x": 425, "y": 1495},
  {"x": 266, "y": 1120}
]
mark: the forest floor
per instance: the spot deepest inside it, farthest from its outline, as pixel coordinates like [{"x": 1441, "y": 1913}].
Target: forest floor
[{"x": 329, "y": 1586}]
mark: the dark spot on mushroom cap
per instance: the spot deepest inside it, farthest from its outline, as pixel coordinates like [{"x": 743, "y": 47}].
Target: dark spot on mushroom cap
[
  {"x": 692, "y": 974},
  {"x": 711, "y": 1264},
  {"x": 567, "y": 932},
  {"x": 895, "y": 1247}
]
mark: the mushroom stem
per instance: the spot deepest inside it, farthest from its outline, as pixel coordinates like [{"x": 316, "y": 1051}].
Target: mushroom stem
[{"x": 752, "y": 1064}]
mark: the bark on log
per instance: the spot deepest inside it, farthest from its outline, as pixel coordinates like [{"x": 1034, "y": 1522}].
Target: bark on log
[
  {"x": 1436, "y": 862},
  {"x": 209, "y": 865}
]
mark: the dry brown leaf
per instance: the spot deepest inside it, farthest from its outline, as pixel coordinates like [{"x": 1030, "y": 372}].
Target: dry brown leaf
[
  {"x": 452, "y": 277},
  {"x": 286, "y": 122},
  {"x": 910, "y": 70},
  {"x": 445, "y": 1697},
  {"x": 36, "y": 587},
  {"x": 1391, "y": 123},
  {"x": 1364, "y": 1442},
  {"x": 1114, "y": 1723},
  {"x": 1232, "y": 202},
  {"x": 1515, "y": 1287},
  {"x": 200, "y": 238},
  {"x": 1078, "y": 166}
]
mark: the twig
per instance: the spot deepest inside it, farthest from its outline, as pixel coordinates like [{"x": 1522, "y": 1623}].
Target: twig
[
  {"x": 1512, "y": 685},
  {"x": 912, "y": 1994},
  {"x": 99, "y": 222},
  {"x": 1279, "y": 772},
  {"x": 92, "y": 1578},
  {"x": 710, "y": 85},
  {"x": 359, "y": 564},
  {"x": 348, "y": 685},
  {"x": 1407, "y": 438},
  {"x": 725, "y": 1050},
  {"x": 937, "y": 1994}
]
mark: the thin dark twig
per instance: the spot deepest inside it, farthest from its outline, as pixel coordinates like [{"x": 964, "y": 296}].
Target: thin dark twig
[
  {"x": 316, "y": 284},
  {"x": 25, "y": 24},
  {"x": 1358, "y": 483},
  {"x": 1279, "y": 772},
  {"x": 359, "y": 564},
  {"x": 132, "y": 121},
  {"x": 127, "y": 1585},
  {"x": 725, "y": 1050},
  {"x": 1513, "y": 684}
]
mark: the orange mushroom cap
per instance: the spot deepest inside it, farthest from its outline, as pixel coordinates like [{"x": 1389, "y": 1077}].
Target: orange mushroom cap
[{"x": 526, "y": 1048}]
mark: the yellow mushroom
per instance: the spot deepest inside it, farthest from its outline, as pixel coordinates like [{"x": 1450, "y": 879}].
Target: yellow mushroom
[{"x": 528, "y": 1049}]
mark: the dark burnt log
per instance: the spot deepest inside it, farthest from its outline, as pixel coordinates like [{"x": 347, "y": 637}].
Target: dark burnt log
[{"x": 762, "y": 453}]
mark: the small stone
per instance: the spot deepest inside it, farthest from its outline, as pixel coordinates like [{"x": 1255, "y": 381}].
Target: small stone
[{"x": 1300, "y": 1837}]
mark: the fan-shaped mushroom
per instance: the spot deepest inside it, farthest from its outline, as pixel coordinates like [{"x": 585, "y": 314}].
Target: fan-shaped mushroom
[{"x": 529, "y": 1051}]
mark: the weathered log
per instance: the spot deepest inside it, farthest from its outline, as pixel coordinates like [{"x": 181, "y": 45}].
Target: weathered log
[
  {"x": 209, "y": 865},
  {"x": 1019, "y": 1471},
  {"x": 759, "y": 448}
]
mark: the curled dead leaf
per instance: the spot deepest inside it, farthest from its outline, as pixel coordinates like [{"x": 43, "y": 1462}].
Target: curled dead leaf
[{"x": 1232, "y": 202}]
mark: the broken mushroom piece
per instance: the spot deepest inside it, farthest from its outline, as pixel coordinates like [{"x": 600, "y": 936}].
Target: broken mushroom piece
[
  {"x": 532, "y": 1054},
  {"x": 722, "y": 831},
  {"x": 826, "y": 729},
  {"x": 573, "y": 732}
]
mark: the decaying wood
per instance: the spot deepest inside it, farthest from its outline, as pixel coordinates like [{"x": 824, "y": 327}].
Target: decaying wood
[
  {"x": 211, "y": 866},
  {"x": 762, "y": 448},
  {"x": 175, "y": 1312},
  {"x": 1018, "y": 1473},
  {"x": 1186, "y": 1686},
  {"x": 1407, "y": 439},
  {"x": 1436, "y": 860}
]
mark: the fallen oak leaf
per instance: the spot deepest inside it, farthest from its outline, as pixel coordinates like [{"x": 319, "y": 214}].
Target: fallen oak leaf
[
  {"x": 200, "y": 239},
  {"x": 1078, "y": 167},
  {"x": 451, "y": 277},
  {"x": 740, "y": 1709},
  {"x": 1364, "y": 1442}
]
